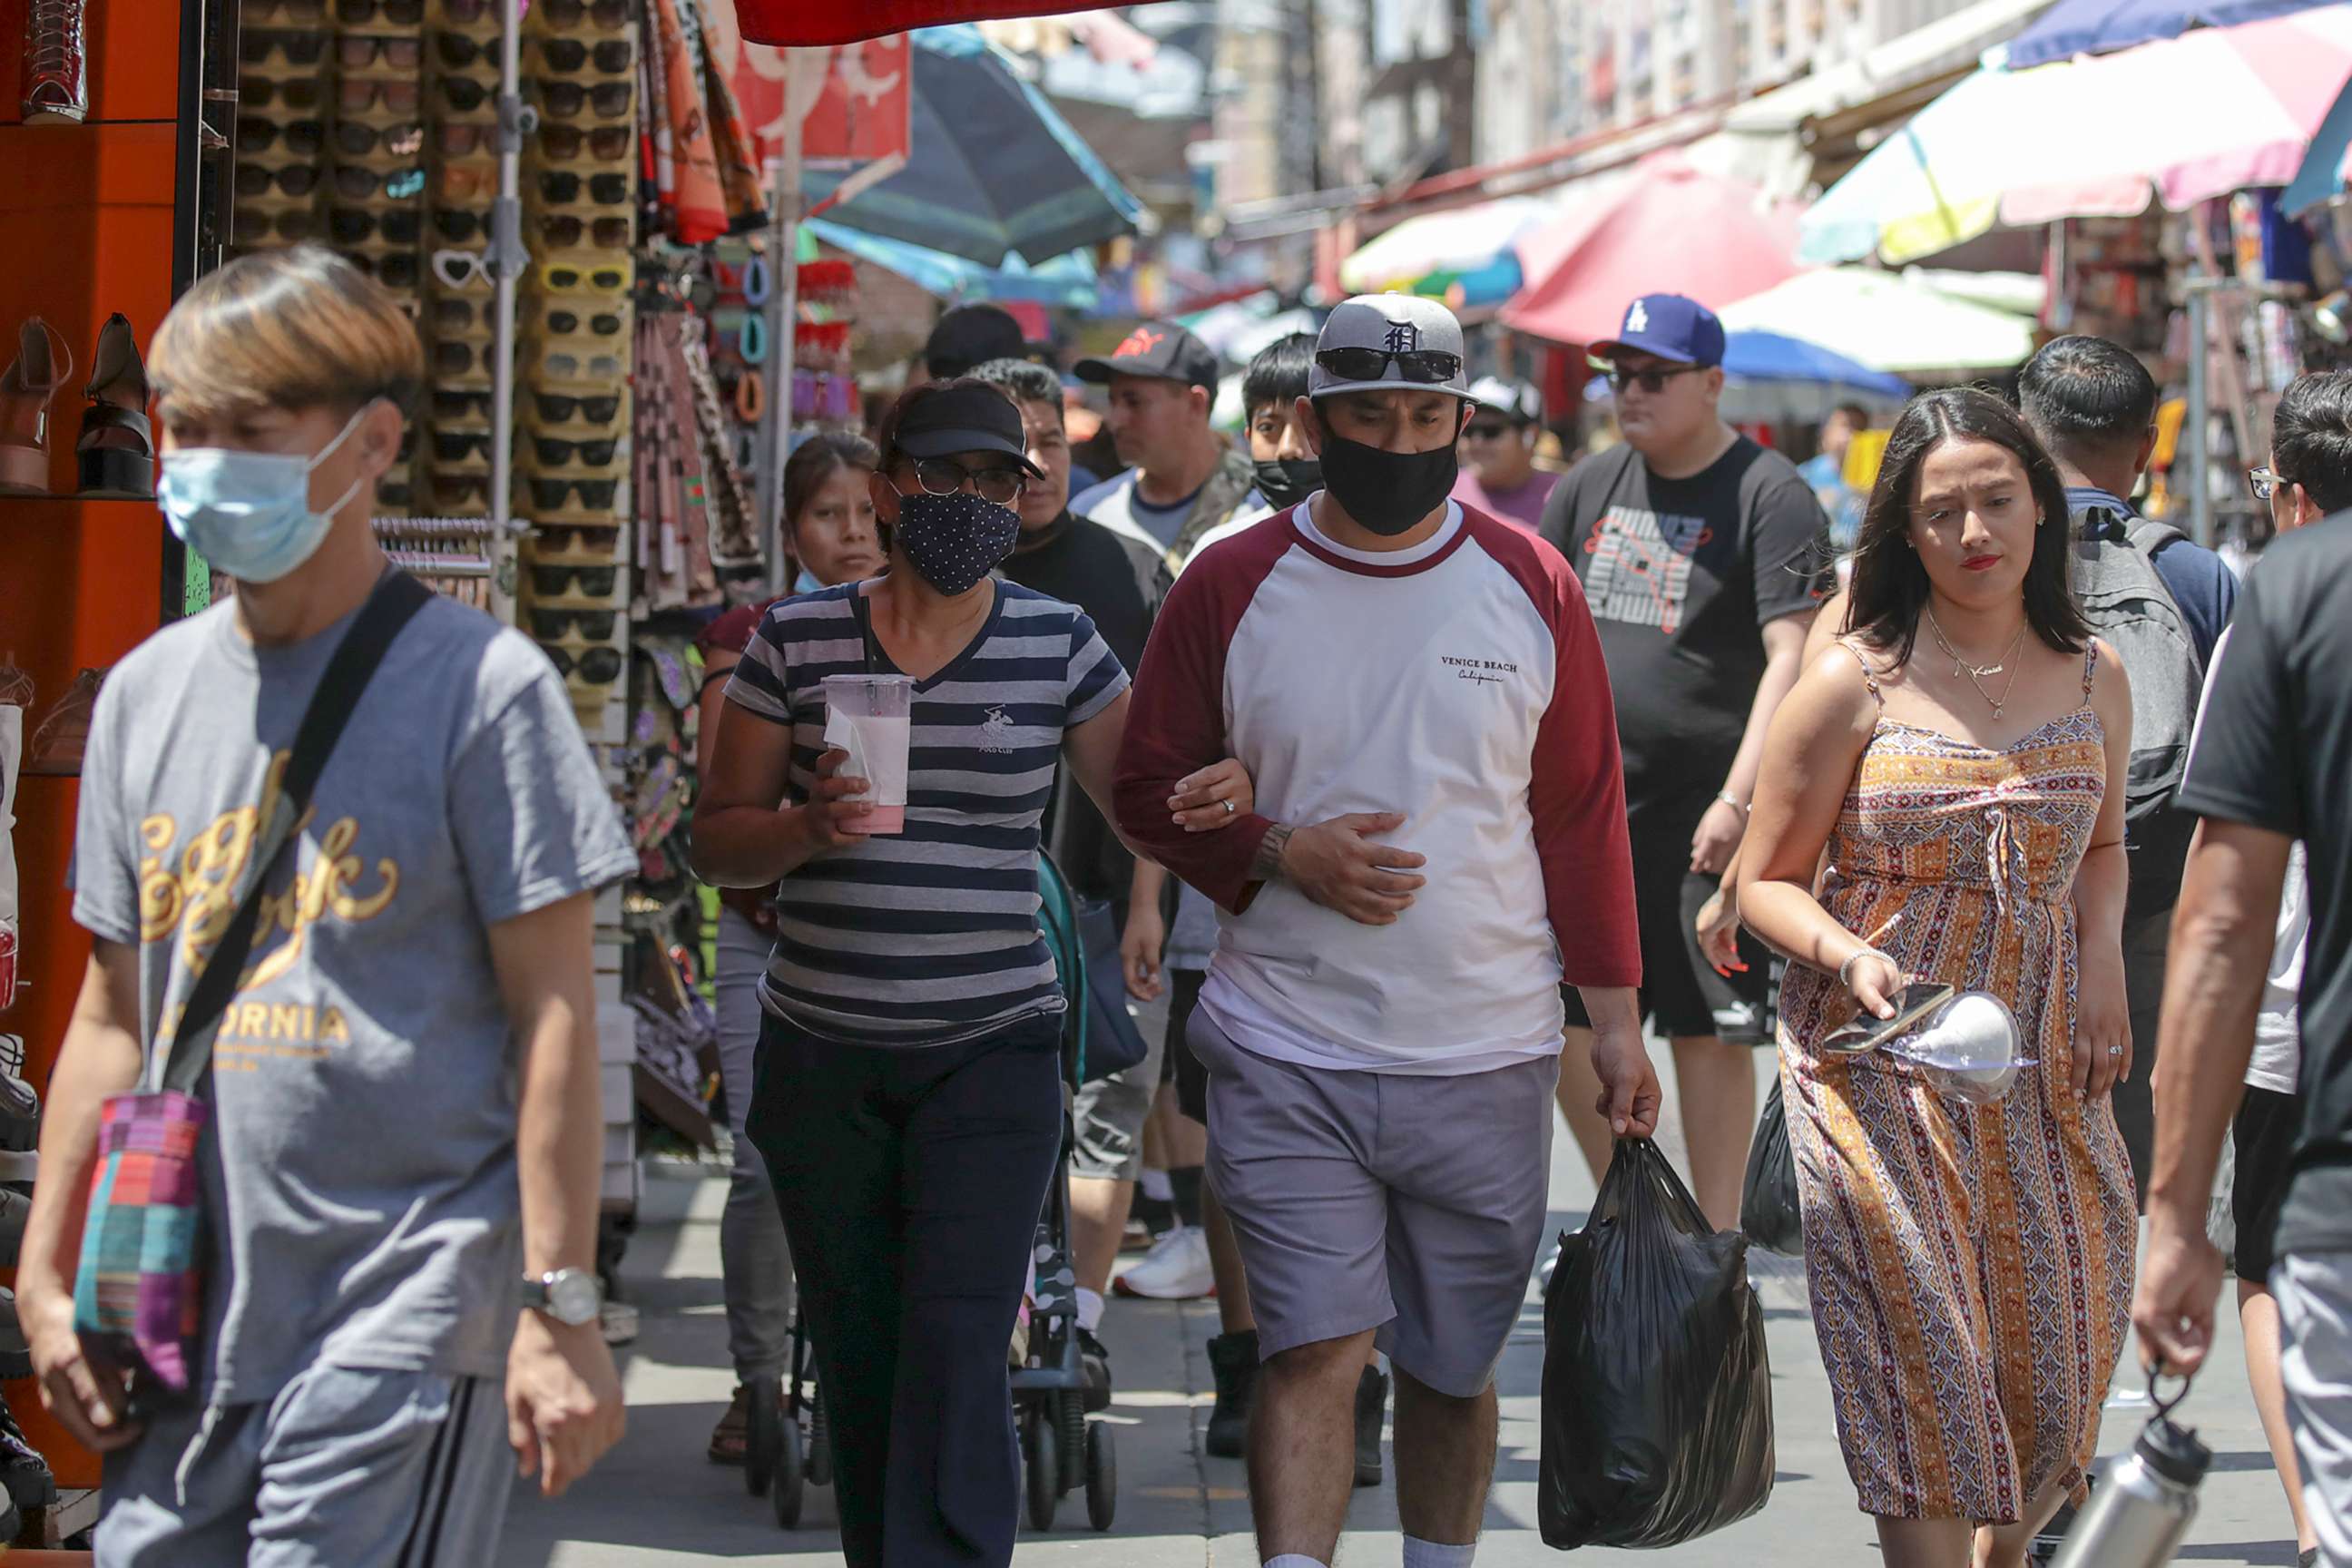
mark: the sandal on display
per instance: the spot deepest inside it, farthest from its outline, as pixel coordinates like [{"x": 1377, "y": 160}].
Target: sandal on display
[
  {"x": 117, "y": 448},
  {"x": 25, "y": 390}
]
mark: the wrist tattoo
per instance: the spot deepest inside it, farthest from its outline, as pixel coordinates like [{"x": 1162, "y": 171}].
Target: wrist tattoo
[{"x": 1266, "y": 864}]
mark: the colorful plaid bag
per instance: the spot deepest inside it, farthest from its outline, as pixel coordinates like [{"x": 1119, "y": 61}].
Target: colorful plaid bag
[{"x": 139, "y": 1290}]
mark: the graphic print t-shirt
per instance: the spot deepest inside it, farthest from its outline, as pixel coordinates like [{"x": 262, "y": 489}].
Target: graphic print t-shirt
[
  {"x": 1681, "y": 575},
  {"x": 360, "y": 1191}
]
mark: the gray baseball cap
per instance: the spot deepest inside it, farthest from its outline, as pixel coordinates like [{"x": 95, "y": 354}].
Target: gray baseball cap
[{"x": 1363, "y": 345}]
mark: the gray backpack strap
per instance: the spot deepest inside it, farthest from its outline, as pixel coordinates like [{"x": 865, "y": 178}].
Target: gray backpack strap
[{"x": 2151, "y": 538}]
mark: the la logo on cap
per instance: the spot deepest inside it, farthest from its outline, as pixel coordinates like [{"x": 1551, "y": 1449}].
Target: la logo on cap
[
  {"x": 1637, "y": 319},
  {"x": 1142, "y": 341}
]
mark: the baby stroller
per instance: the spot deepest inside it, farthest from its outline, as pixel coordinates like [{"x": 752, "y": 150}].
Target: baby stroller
[
  {"x": 788, "y": 1447},
  {"x": 1059, "y": 1447}
]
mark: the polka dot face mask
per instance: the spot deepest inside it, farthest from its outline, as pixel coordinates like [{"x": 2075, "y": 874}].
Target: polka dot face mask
[{"x": 956, "y": 540}]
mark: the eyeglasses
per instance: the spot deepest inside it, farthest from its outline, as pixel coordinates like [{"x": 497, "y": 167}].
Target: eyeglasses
[
  {"x": 596, "y": 667},
  {"x": 358, "y": 139},
  {"x": 1421, "y": 365},
  {"x": 603, "y": 324},
  {"x": 596, "y": 582},
  {"x": 555, "y": 453},
  {"x": 564, "y": 100},
  {"x": 566, "y": 278},
  {"x": 945, "y": 477},
  {"x": 571, "y": 367},
  {"x": 605, "y": 14},
  {"x": 557, "y": 409},
  {"x": 358, "y": 53},
  {"x": 569, "y": 56},
  {"x": 2264, "y": 483},
  {"x": 605, "y": 143},
  {"x": 299, "y": 49},
  {"x": 1652, "y": 381},
  {"x": 1481, "y": 430},
  {"x": 607, "y": 189},
  {"x": 260, "y": 92},
  {"x": 596, "y": 625},
  {"x": 565, "y": 232},
  {"x": 249, "y": 228},
  {"x": 360, "y": 94},
  {"x": 594, "y": 494},
  {"x": 464, "y": 93},
  {"x": 295, "y": 180},
  {"x": 459, "y": 224},
  {"x": 456, "y": 446},
  {"x": 356, "y": 228}
]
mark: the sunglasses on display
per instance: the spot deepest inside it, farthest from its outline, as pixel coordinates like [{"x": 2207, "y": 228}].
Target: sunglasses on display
[
  {"x": 260, "y": 92},
  {"x": 461, "y": 225},
  {"x": 461, "y": 315},
  {"x": 463, "y": 182},
  {"x": 596, "y": 667},
  {"x": 302, "y": 137},
  {"x": 360, "y": 52},
  {"x": 399, "y": 13},
  {"x": 564, "y": 323},
  {"x": 353, "y": 226},
  {"x": 459, "y": 140},
  {"x": 299, "y": 49},
  {"x": 1651, "y": 382},
  {"x": 466, "y": 11},
  {"x": 565, "y": 100},
  {"x": 571, "y": 367},
  {"x": 457, "y": 490},
  {"x": 456, "y": 446},
  {"x": 355, "y": 182},
  {"x": 606, "y": 14},
  {"x": 1424, "y": 366},
  {"x": 563, "y": 143},
  {"x": 945, "y": 477},
  {"x": 398, "y": 271},
  {"x": 565, "y": 232},
  {"x": 455, "y": 357},
  {"x": 249, "y": 228},
  {"x": 295, "y": 180},
  {"x": 570, "y": 55},
  {"x": 567, "y": 278},
  {"x": 452, "y": 405},
  {"x": 594, "y": 494},
  {"x": 458, "y": 50},
  {"x": 464, "y": 93},
  {"x": 395, "y": 493},
  {"x": 555, "y": 453},
  {"x": 596, "y": 582},
  {"x": 275, "y": 11},
  {"x": 605, "y": 189},
  {"x": 558, "y": 409},
  {"x": 360, "y": 95},
  {"x": 358, "y": 139},
  {"x": 596, "y": 625},
  {"x": 461, "y": 269}
]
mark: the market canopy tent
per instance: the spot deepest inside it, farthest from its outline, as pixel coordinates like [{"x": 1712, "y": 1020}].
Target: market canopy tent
[
  {"x": 2073, "y": 28},
  {"x": 993, "y": 171},
  {"x": 1468, "y": 257},
  {"x": 2321, "y": 177},
  {"x": 1670, "y": 229},
  {"x": 2181, "y": 121},
  {"x": 1888, "y": 321},
  {"x": 1755, "y": 355},
  {"x": 796, "y": 22},
  {"x": 1066, "y": 281}
]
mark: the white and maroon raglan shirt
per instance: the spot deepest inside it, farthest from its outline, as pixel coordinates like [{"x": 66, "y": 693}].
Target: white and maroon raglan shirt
[{"x": 1458, "y": 682}]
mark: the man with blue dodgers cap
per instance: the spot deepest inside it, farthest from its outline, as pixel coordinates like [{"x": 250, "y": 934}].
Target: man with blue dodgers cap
[
  {"x": 1438, "y": 844},
  {"x": 1700, "y": 552}
]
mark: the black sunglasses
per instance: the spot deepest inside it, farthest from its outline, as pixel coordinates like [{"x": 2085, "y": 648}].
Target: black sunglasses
[
  {"x": 357, "y": 138},
  {"x": 293, "y": 10},
  {"x": 945, "y": 477},
  {"x": 394, "y": 271},
  {"x": 465, "y": 11},
  {"x": 1425, "y": 366},
  {"x": 565, "y": 232},
  {"x": 399, "y": 13},
  {"x": 353, "y": 226},
  {"x": 361, "y": 94},
  {"x": 250, "y": 228},
  {"x": 459, "y": 139},
  {"x": 564, "y": 100},
  {"x": 603, "y": 324},
  {"x": 555, "y": 452},
  {"x": 594, "y": 494},
  {"x": 596, "y": 667},
  {"x": 260, "y": 92},
  {"x": 301, "y": 136},
  {"x": 359, "y": 51},
  {"x": 299, "y": 49},
  {"x": 605, "y": 189},
  {"x": 612, "y": 56},
  {"x": 605, "y": 143},
  {"x": 449, "y": 406},
  {"x": 596, "y": 625},
  {"x": 459, "y": 224},
  {"x": 596, "y": 582},
  {"x": 294, "y": 180},
  {"x": 456, "y": 446},
  {"x": 1652, "y": 381},
  {"x": 465, "y": 95},
  {"x": 558, "y": 409},
  {"x": 459, "y": 52},
  {"x": 609, "y": 15},
  {"x": 453, "y": 356}
]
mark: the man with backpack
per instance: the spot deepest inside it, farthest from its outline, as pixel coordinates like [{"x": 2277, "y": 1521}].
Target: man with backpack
[{"x": 2161, "y": 600}]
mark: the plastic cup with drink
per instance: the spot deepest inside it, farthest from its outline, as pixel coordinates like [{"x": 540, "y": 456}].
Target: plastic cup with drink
[{"x": 869, "y": 717}]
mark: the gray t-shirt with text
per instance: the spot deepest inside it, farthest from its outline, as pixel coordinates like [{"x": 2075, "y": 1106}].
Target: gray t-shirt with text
[{"x": 361, "y": 1198}]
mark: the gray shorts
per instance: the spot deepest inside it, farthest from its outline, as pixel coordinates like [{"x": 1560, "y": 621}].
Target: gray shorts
[
  {"x": 1108, "y": 1113},
  {"x": 1412, "y": 1205},
  {"x": 347, "y": 1468},
  {"x": 2314, "y": 1303}
]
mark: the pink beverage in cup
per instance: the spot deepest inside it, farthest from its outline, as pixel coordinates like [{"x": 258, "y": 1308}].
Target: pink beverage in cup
[{"x": 870, "y": 717}]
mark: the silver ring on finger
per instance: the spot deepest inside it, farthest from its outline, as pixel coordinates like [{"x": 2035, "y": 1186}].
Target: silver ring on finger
[
  {"x": 2114, "y": 1050},
  {"x": 1228, "y": 806}
]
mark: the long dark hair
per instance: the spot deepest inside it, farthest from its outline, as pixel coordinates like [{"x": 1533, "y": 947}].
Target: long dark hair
[
  {"x": 815, "y": 460},
  {"x": 1889, "y": 586}
]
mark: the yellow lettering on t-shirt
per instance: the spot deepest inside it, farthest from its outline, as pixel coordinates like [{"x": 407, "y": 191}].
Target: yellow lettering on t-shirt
[{"x": 332, "y": 1028}]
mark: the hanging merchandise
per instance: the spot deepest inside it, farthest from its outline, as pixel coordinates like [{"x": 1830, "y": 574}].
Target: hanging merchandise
[{"x": 15, "y": 697}]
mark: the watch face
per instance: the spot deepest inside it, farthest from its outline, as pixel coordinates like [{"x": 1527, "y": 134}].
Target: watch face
[{"x": 574, "y": 1297}]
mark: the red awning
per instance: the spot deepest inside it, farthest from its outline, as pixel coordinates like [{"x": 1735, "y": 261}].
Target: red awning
[{"x": 800, "y": 22}]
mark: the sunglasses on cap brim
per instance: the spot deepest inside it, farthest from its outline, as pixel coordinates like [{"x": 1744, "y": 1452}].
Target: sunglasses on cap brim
[{"x": 1423, "y": 367}]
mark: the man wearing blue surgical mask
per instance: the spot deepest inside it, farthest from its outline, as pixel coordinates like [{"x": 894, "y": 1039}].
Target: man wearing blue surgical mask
[{"x": 397, "y": 1179}]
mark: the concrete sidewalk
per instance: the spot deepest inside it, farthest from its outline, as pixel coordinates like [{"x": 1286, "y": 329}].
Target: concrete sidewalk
[{"x": 656, "y": 1502}]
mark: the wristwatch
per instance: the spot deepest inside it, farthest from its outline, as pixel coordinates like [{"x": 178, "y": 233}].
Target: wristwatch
[{"x": 570, "y": 1296}]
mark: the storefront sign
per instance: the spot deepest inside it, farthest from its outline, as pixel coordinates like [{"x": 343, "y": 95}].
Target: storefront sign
[{"x": 859, "y": 114}]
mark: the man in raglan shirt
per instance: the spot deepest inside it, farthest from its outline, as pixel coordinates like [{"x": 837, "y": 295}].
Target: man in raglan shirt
[{"x": 1439, "y": 843}]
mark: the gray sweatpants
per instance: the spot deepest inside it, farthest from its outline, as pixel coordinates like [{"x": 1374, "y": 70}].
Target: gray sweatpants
[
  {"x": 2314, "y": 1303},
  {"x": 755, "y": 1262},
  {"x": 347, "y": 1468}
]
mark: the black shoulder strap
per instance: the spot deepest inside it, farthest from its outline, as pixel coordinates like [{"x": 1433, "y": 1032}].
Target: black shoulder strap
[{"x": 348, "y": 670}]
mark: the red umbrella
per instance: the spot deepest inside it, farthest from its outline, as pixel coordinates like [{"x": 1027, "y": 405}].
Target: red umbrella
[
  {"x": 1668, "y": 228},
  {"x": 796, "y": 22}
]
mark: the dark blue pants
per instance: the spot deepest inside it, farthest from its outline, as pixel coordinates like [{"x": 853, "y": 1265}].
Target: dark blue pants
[{"x": 911, "y": 1182}]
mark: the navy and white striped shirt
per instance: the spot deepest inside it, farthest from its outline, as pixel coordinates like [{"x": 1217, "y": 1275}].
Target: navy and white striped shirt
[{"x": 929, "y": 936}]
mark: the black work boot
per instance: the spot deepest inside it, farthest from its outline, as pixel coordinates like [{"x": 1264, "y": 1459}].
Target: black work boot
[
  {"x": 1232, "y": 1362},
  {"x": 1371, "y": 1404},
  {"x": 22, "y": 1471}
]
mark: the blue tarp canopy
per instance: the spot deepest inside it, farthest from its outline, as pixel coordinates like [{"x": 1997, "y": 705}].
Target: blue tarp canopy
[{"x": 2073, "y": 28}]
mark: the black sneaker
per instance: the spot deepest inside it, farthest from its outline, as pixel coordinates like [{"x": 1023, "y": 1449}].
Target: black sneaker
[
  {"x": 22, "y": 1472},
  {"x": 1096, "y": 1361},
  {"x": 13, "y": 1207},
  {"x": 1232, "y": 1363},
  {"x": 1371, "y": 1404},
  {"x": 16, "y": 1354},
  {"x": 20, "y": 1108}
]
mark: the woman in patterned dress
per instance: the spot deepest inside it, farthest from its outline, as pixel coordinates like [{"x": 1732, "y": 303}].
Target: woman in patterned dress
[{"x": 1960, "y": 756}]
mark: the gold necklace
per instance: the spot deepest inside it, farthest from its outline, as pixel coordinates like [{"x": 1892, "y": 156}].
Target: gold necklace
[{"x": 1975, "y": 672}]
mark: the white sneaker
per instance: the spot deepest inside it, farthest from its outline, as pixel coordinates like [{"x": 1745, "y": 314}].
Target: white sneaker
[{"x": 1175, "y": 1270}]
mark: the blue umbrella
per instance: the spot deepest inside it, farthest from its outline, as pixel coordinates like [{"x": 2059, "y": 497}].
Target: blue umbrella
[
  {"x": 1768, "y": 356},
  {"x": 2321, "y": 175},
  {"x": 992, "y": 170},
  {"x": 1064, "y": 281},
  {"x": 2073, "y": 28}
]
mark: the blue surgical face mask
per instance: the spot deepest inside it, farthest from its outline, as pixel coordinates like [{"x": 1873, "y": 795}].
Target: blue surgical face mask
[
  {"x": 806, "y": 583},
  {"x": 248, "y": 513}
]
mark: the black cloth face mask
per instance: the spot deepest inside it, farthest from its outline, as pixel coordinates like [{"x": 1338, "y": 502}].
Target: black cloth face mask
[
  {"x": 1286, "y": 482},
  {"x": 1387, "y": 492}
]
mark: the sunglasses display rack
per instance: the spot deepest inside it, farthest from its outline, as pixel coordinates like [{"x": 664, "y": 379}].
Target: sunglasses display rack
[{"x": 458, "y": 318}]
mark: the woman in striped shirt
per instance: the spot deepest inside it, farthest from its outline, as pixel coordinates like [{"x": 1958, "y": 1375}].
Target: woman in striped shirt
[{"x": 907, "y": 1099}]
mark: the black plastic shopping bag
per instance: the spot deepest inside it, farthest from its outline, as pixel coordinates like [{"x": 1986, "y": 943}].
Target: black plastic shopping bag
[
  {"x": 1658, "y": 1394},
  {"x": 1769, "y": 1210}
]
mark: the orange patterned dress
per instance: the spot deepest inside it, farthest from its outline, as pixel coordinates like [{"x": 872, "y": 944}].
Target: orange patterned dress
[{"x": 1970, "y": 1268}]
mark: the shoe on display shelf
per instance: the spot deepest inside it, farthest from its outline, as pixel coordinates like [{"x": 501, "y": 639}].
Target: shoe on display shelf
[
  {"x": 22, "y": 1471},
  {"x": 1175, "y": 1270}
]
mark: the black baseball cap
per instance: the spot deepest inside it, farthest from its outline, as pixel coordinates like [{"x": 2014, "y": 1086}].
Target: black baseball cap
[
  {"x": 1161, "y": 350},
  {"x": 957, "y": 420},
  {"x": 970, "y": 335}
]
